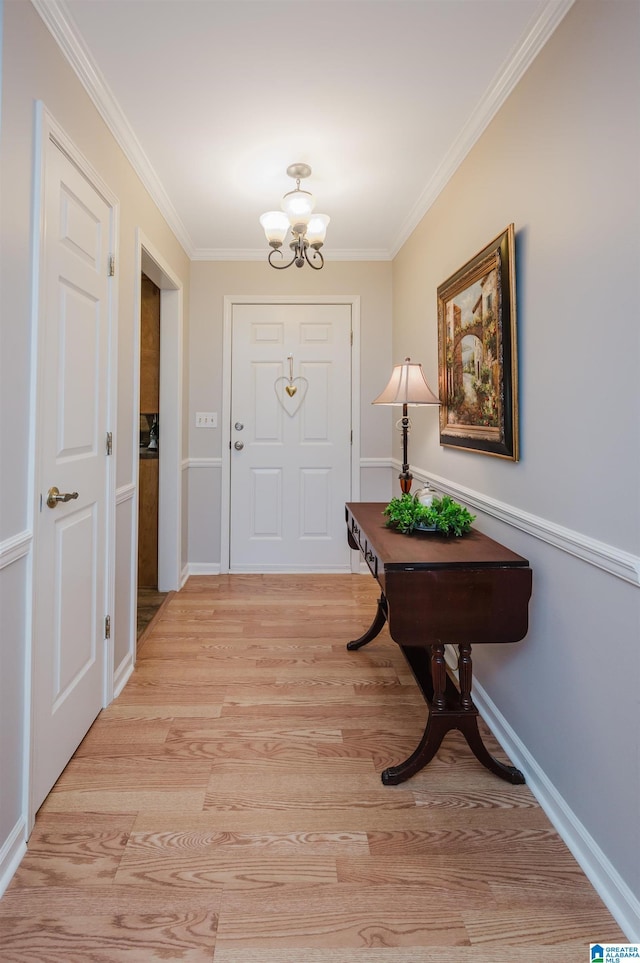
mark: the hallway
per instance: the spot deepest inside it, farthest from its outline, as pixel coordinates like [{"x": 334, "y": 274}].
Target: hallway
[{"x": 227, "y": 807}]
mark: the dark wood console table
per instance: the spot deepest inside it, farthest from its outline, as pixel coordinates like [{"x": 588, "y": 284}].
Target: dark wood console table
[{"x": 438, "y": 590}]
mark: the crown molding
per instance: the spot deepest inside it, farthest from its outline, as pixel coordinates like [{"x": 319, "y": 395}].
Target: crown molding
[
  {"x": 260, "y": 254},
  {"x": 521, "y": 57},
  {"x": 57, "y": 18},
  {"x": 59, "y": 22}
]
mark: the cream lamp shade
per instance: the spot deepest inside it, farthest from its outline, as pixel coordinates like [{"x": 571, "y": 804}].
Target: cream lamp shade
[{"x": 407, "y": 386}]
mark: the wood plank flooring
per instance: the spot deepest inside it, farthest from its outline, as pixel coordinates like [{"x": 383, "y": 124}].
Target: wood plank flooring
[
  {"x": 228, "y": 807},
  {"x": 150, "y": 601}
]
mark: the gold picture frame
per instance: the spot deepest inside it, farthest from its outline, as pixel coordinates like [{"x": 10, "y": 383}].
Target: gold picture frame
[{"x": 477, "y": 353}]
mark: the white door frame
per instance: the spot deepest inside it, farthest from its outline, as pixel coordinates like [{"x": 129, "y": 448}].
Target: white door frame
[
  {"x": 225, "y": 488},
  {"x": 47, "y": 129},
  {"x": 151, "y": 262}
]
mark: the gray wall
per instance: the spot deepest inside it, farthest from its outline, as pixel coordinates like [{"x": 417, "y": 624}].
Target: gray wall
[
  {"x": 210, "y": 282},
  {"x": 34, "y": 69},
  {"x": 560, "y": 160}
]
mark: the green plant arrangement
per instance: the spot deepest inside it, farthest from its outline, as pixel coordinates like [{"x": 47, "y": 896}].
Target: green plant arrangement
[{"x": 443, "y": 515}]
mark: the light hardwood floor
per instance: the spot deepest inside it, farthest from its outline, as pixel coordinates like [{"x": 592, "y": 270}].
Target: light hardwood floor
[
  {"x": 228, "y": 807},
  {"x": 150, "y": 602}
]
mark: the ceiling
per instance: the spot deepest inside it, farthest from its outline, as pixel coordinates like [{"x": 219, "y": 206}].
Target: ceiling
[{"x": 213, "y": 99}]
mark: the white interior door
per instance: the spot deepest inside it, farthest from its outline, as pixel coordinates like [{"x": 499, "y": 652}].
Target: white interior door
[
  {"x": 290, "y": 437},
  {"x": 71, "y": 537}
]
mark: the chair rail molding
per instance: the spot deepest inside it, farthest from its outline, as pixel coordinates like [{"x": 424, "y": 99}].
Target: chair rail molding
[
  {"x": 125, "y": 493},
  {"x": 15, "y": 547},
  {"x": 607, "y": 557},
  {"x": 201, "y": 463}
]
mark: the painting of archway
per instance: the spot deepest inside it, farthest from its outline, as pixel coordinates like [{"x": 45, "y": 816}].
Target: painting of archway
[{"x": 477, "y": 353}]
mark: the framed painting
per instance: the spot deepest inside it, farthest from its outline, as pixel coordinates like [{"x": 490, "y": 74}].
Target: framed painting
[{"x": 477, "y": 353}]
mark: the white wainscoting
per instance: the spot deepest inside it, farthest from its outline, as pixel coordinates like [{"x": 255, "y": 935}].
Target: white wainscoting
[
  {"x": 123, "y": 629},
  {"x": 613, "y": 560},
  {"x": 12, "y": 550},
  {"x": 11, "y": 853},
  {"x": 15, "y": 547},
  {"x": 622, "y": 903},
  {"x": 205, "y": 508}
]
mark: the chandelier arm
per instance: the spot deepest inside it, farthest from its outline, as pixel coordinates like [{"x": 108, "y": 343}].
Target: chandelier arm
[
  {"x": 316, "y": 254},
  {"x": 279, "y": 267}
]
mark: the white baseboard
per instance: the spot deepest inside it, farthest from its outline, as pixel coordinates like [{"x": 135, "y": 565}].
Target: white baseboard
[
  {"x": 264, "y": 569},
  {"x": 122, "y": 675},
  {"x": 11, "y": 853},
  {"x": 623, "y": 905},
  {"x": 201, "y": 568}
]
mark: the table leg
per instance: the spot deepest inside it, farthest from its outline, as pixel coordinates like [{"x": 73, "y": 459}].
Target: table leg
[
  {"x": 468, "y": 721},
  {"x": 374, "y": 629},
  {"x": 465, "y": 670},
  {"x": 438, "y": 724},
  {"x": 437, "y": 727},
  {"x": 468, "y": 726},
  {"x": 438, "y": 677},
  {"x": 449, "y": 708}
]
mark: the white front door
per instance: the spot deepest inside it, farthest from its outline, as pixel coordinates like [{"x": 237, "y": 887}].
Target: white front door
[
  {"x": 71, "y": 537},
  {"x": 290, "y": 437}
]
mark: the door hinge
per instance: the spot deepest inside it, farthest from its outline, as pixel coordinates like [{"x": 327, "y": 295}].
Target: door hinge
[
  {"x": 109, "y": 443},
  {"x": 351, "y": 338},
  {"x": 351, "y": 436},
  {"x": 107, "y": 627},
  {"x": 112, "y": 265}
]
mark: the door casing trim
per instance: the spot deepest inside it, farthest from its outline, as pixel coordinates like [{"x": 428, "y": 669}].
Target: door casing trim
[
  {"x": 230, "y": 300},
  {"x": 150, "y": 261}
]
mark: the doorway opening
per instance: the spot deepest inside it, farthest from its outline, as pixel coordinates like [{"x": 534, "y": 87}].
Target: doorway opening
[
  {"x": 157, "y": 437},
  {"x": 149, "y": 599}
]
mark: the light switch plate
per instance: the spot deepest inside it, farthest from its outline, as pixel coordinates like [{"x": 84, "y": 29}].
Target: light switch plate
[{"x": 206, "y": 419}]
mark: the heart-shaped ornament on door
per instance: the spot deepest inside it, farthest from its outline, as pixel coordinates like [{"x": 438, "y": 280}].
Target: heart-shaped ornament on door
[{"x": 291, "y": 386}]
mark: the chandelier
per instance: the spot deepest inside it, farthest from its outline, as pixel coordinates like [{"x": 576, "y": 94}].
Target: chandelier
[{"x": 308, "y": 229}]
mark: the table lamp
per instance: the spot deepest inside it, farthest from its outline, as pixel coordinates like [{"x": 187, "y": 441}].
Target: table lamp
[{"x": 407, "y": 386}]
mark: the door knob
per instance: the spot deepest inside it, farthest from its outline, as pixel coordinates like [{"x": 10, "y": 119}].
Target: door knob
[
  {"x": 239, "y": 445},
  {"x": 55, "y": 496}
]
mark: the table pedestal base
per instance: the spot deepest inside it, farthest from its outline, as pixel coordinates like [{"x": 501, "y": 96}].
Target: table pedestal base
[{"x": 450, "y": 707}]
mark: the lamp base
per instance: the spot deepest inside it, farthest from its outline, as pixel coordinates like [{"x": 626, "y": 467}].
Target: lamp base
[{"x": 406, "y": 479}]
